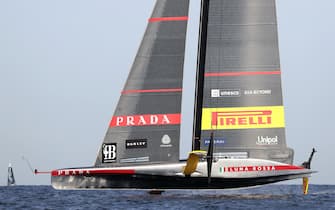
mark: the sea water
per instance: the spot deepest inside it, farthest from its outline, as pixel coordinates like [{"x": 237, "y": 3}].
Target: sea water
[{"x": 283, "y": 197}]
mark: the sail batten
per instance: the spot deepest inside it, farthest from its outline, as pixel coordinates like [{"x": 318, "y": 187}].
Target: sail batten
[
  {"x": 240, "y": 73},
  {"x": 167, "y": 19},
  {"x": 167, "y": 90}
]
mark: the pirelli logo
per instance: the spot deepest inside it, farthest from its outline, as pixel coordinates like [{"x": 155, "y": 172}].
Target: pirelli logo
[{"x": 243, "y": 118}]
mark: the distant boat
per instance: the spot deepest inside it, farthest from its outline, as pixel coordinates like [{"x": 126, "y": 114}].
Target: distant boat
[
  {"x": 238, "y": 115},
  {"x": 10, "y": 179}
]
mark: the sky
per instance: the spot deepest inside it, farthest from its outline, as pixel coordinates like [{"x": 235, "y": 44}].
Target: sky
[{"x": 63, "y": 65}]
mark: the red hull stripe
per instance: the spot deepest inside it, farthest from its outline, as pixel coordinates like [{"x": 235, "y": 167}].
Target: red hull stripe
[
  {"x": 78, "y": 172},
  {"x": 145, "y": 120},
  {"x": 167, "y": 19},
  {"x": 243, "y": 73},
  {"x": 152, "y": 91}
]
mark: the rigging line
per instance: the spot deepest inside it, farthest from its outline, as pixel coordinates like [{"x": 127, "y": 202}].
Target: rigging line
[
  {"x": 28, "y": 163},
  {"x": 34, "y": 171}
]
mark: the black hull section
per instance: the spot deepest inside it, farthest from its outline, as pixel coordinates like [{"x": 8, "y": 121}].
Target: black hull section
[{"x": 161, "y": 182}]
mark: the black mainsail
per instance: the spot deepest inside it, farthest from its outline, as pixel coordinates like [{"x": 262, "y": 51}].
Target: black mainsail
[
  {"x": 10, "y": 178},
  {"x": 146, "y": 124},
  {"x": 239, "y": 92}
]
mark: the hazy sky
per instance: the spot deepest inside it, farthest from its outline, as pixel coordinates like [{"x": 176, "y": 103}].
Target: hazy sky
[{"x": 63, "y": 64}]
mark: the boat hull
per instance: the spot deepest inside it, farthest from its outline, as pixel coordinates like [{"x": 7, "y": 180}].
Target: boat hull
[
  {"x": 162, "y": 182},
  {"x": 225, "y": 174}
]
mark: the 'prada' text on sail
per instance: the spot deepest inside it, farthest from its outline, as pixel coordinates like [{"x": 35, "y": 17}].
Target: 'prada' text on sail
[{"x": 145, "y": 120}]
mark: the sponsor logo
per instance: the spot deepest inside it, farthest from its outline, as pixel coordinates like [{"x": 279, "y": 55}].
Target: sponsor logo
[
  {"x": 80, "y": 172},
  {"x": 259, "y": 168},
  {"x": 217, "y": 93},
  {"x": 166, "y": 141},
  {"x": 243, "y": 118},
  {"x": 217, "y": 142},
  {"x": 136, "y": 143},
  {"x": 257, "y": 92},
  {"x": 248, "y": 168},
  {"x": 109, "y": 153},
  {"x": 261, "y": 140},
  {"x": 145, "y": 120},
  {"x": 232, "y": 118}
]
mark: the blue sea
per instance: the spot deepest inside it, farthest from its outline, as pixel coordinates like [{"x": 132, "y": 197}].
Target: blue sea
[{"x": 283, "y": 197}]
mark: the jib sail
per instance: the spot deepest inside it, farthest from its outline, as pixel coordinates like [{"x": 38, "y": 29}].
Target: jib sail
[
  {"x": 146, "y": 123},
  {"x": 238, "y": 91}
]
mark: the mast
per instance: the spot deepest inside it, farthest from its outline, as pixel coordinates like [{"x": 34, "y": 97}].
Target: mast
[{"x": 199, "y": 89}]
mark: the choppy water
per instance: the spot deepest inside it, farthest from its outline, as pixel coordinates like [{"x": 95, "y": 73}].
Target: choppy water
[{"x": 269, "y": 197}]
